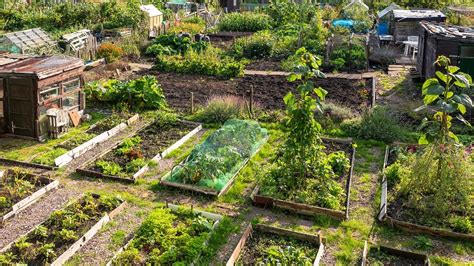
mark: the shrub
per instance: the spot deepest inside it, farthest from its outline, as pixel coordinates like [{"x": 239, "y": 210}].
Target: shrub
[
  {"x": 244, "y": 22},
  {"x": 257, "y": 46},
  {"x": 380, "y": 124},
  {"x": 110, "y": 52},
  {"x": 209, "y": 63},
  {"x": 220, "y": 109},
  {"x": 461, "y": 224},
  {"x": 139, "y": 94}
]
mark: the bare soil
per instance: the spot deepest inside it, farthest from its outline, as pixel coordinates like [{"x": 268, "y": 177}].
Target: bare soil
[
  {"x": 265, "y": 65},
  {"x": 268, "y": 90}
]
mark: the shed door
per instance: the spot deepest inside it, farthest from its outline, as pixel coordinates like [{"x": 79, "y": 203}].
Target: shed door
[
  {"x": 466, "y": 59},
  {"x": 20, "y": 106}
]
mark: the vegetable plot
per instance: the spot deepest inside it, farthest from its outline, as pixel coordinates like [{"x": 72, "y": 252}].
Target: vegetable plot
[
  {"x": 212, "y": 166},
  {"x": 126, "y": 160},
  {"x": 267, "y": 245},
  {"x": 63, "y": 233},
  {"x": 19, "y": 189},
  {"x": 169, "y": 236},
  {"x": 382, "y": 255}
]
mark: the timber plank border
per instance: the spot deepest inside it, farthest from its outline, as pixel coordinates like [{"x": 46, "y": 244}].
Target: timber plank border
[
  {"x": 208, "y": 191},
  {"x": 216, "y": 217},
  {"x": 27, "y": 164},
  {"x": 29, "y": 200},
  {"x": 385, "y": 218},
  {"x": 73, "y": 248},
  {"x": 133, "y": 178},
  {"x": 395, "y": 252},
  {"x": 315, "y": 239},
  {"x": 306, "y": 209}
]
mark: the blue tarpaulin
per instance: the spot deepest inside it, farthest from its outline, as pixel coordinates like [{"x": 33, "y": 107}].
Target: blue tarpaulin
[{"x": 345, "y": 23}]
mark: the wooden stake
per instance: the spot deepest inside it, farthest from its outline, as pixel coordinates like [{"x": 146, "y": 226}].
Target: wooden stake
[
  {"x": 251, "y": 101},
  {"x": 192, "y": 102}
]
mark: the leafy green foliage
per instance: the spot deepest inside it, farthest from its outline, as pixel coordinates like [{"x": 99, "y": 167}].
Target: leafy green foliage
[
  {"x": 379, "y": 123},
  {"x": 461, "y": 224},
  {"x": 244, "y": 22},
  {"x": 48, "y": 157},
  {"x": 339, "y": 163},
  {"x": 139, "y": 94},
  {"x": 134, "y": 165},
  {"x": 167, "y": 237},
  {"x": 302, "y": 167},
  {"x": 59, "y": 231},
  {"x": 345, "y": 58},
  {"x": 15, "y": 185},
  {"x": 445, "y": 94},
  {"x": 213, "y": 163},
  {"x": 66, "y": 16},
  {"x": 256, "y": 46},
  {"x": 109, "y": 168},
  {"x": 171, "y": 44},
  {"x": 211, "y": 62},
  {"x": 127, "y": 145}
]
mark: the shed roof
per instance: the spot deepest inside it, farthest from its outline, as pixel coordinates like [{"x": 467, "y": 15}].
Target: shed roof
[
  {"x": 151, "y": 10},
  {"x": 41, "y": 66},
  {"x": 8, "y": 58},
  {"x": 417, "y": 14},
  {"x": 29, "y": 39},
  {"x": 449, "y": 31},
  {"x": 387, "y": 10}
]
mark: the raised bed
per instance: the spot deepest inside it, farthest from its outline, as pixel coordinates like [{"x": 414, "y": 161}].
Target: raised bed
[
  {"x": 157, "y": 141},
  {"x": 385, "y": 217},
  {"x": 90, "y": 144},
  {"x": 181, "y": 218},
  {"x": 383, "y": 255},
  {"x": 230, "y": 168},
  {"x": 306, "y": 209},
  {"x": 254, "y": 236},
  {"x": 58, "y": 239},
  {"x": 40, "y": 185}
]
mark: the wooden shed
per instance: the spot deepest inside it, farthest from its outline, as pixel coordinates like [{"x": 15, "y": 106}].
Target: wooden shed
[
  {"x": 82, "y": 44},
  {"x": 32, "y": 87},
  {"x": 455, "y": 42},
  {"x": 155, "y": 19},
  {"x": 25, "y": 42},
  {"x": 404, "y": 23}
]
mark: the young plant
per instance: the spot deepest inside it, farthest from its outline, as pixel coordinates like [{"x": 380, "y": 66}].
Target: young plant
[{"x": 446, "y": 95}]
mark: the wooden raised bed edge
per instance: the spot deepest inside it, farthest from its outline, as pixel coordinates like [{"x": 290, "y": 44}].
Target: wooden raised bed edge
[
  {"x": 26, "y": 164},
  {"x": 306, "y": 209},
  {"x": 216, "y": 217},
  {"x": 316, "y": 239},
  {"x": 407, "y": 226},
  {"x": 395, "y": 252},
  {"x": 209, "y": 191},
  {"x": 28, "y": 201},
  {"x": 82, "y": 240},
  {"x": 70, "y": 155},
  {"x": 141, "y": 171}
]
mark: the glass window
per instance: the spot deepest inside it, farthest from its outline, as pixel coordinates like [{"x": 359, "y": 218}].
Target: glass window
[
  {"x": 71, "y": 101},
  {"x": 71, "y": 85},
  {"x": 49, "y": 93}
]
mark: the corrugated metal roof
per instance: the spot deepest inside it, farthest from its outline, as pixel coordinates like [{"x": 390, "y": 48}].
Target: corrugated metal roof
[
  {"x": 42, "y": 67},
  {"x": 449, "y": 31},
  {"x": 417, "y": 14},
  {"x": 7, "y": 58},
  {"x": 29, "y": 39},
  {"x": 151, "y": 10}
]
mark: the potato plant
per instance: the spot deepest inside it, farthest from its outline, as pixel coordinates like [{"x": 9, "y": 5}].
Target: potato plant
[
  {"x": 63, "y": 227},
  {"x": 16, "y": 185},
  {"x": 168, "y": 237}
]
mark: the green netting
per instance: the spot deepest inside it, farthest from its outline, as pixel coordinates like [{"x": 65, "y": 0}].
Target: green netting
[{"x": 214, "y": 162}]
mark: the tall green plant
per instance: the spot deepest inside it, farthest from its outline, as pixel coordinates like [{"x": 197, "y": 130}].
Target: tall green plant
[
  {"x": 445, "y": 95},
  {"x": 302, "y": 148}
]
